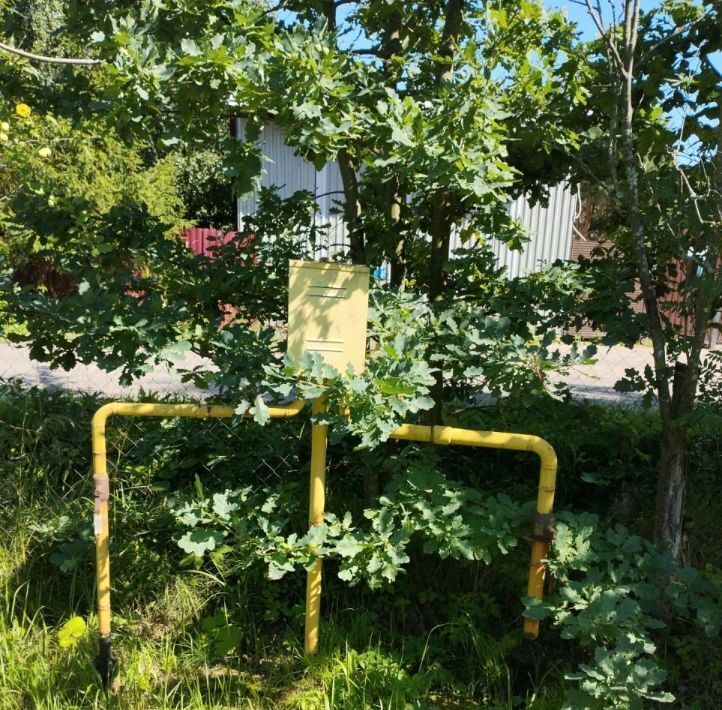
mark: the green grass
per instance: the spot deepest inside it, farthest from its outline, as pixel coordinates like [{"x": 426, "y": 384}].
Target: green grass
[
  {"x": 166, "y": 663},
  {"x": 377, "y": 651},
  {"x": 446, "y": 635}
]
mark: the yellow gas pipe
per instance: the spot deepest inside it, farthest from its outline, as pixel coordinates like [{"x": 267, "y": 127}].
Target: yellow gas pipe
[
  {"x": 543, "y": 521},
  {"x": 316, "y": 503},
  {"x": 106, "y": 660},
  {"x": 410, "y": 432}
]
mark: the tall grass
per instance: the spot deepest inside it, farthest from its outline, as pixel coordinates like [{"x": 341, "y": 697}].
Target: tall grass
[
  {"x": 167, "y": 656},
  {"x": 446, "y": 635}
]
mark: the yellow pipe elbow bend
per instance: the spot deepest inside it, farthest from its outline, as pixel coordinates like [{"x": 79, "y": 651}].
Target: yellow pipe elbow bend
[
  {"x": 102, "y": 483},
  {"x": 448, "y": 436}
]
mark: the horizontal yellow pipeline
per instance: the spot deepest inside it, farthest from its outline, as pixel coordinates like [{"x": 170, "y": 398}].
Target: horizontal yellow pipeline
[
  {"x": 451, "y": 436},
  {"x": 194, "y": 411},
  {"x": 102, "y": 484}
]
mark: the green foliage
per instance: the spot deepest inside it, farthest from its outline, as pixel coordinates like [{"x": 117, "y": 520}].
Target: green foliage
[
  {"x": 154, "y": 299},
  {"x": 223, "y": 636},
  {"x": 614, "y": 591},
  {"x": 71, "y": 543},
  {"x": 450, "y": 519},
  {"x": 71, "y": 632},
  {"x": 710, "y": 378},
  {"x": 72, "y": 190},
  {"x": 205, "y": 188},
  {"x": 40, "y": 26},
  {"x": 477, "y": 347},
  {"x": 441, "y": 142},
  {"x": 390, "y": 120},
  {"x": 376, "y": 677},
  {"x": 92, "y": 174},
  {"x": 447, "y": 630}
]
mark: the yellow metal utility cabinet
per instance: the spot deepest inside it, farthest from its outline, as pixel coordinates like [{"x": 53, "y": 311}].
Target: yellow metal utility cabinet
[{"x": 327, "y": 312}]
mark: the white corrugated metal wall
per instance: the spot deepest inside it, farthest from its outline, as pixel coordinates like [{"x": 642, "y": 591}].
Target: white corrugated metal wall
[{"x": 550, "y": 227}]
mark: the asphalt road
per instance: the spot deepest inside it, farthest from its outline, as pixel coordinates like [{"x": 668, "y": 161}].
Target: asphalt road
[
  {"x": 15, "y": 363},
  {"x": 594, "y": 381}
]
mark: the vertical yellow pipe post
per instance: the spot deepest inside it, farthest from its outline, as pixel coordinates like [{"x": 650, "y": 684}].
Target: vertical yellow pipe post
[
  {"x": 106, "y": 659},
  {"x": 543, "y": 532},
  {"x": 316, "y": 504},
  {"x": 101, "y": 494}
]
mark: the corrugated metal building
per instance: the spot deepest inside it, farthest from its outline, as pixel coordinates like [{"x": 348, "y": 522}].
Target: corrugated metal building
[{"x": 550, "y": 227}]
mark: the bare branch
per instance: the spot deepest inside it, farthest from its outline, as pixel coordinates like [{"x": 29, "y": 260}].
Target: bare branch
[
  {"x": 598, "y": 21},
  {"x": 329, "y": 193},
  {"x": 634, "y": 216},
  {"x": 50, "y": 60},
  {"x": 371, "y": 51}
]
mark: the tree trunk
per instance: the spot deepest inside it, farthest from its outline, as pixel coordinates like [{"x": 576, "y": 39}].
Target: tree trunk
[
  {"x": 352, "y": 207},
  {"x": 670, "y": 480},
  {"x": 398, "y": 255},
  {"x": 668, "y": 522},
  {"x": 440, "y": 238},
  {"x": 329, "y": 10},
  {"x": 391, "y": 52},
  {"x": 398, "y": 265},
  {"x": 453, "y": 19},
  {"x": 440, "y": 221}
]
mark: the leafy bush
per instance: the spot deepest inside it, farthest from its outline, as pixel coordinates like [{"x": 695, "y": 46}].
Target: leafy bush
[
  {"x": 615, "y": 590},
  {"x": 444, "y": 550},
  {"x": 205, "y": 188},
  {"x": 451, "y": 520}
]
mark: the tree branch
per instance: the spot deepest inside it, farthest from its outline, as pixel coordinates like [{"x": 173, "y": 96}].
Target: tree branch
[
  {"x": 49, "y": 60},
  {"x": 599, "y": 24},
  {"x": 636, "y": 224},
  {"x": 449, "y": 37},
  {"x": 352, "y": 207},
  {"x": 681, "y": 30},
  {"x": 373, "y": 51}
]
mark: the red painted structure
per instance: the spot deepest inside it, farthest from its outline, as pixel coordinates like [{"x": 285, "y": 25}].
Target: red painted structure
[{"x": 202, "y": 240}]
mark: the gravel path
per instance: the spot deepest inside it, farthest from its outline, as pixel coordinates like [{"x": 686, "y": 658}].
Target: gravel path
[{"x": 596, "y": 381}]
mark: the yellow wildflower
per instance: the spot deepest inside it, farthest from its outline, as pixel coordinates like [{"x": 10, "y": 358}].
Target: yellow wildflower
[
  {"x": 23, "y": 110},
  {"x": 45, "y": 152},
  {"x": 71, "y": 632}
]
